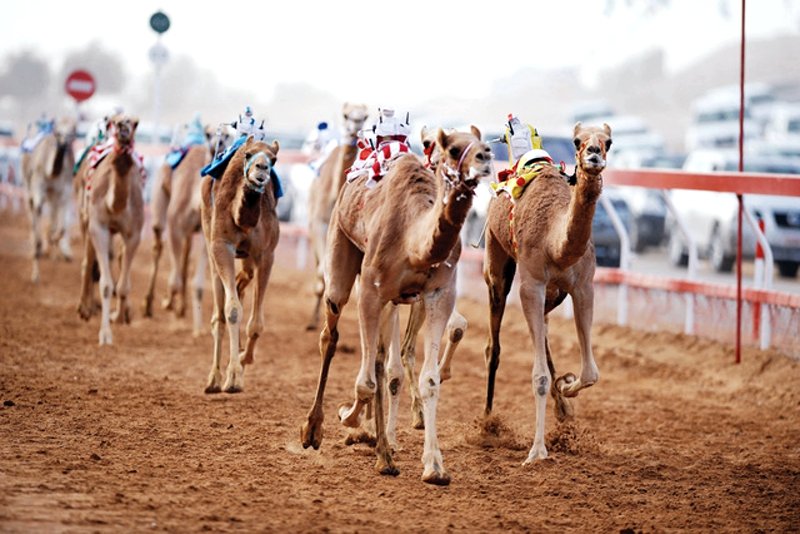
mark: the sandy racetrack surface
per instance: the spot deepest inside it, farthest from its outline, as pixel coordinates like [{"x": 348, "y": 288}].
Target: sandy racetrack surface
[{"x": 673, "y": 437}]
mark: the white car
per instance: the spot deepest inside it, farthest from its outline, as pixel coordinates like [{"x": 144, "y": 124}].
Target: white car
[
  {"x": 715, "y": 121},
  {"x": 712, "y": 217}
]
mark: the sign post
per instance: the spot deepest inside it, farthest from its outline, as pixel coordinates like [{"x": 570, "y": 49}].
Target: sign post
[
  {"x": 159, "y": 22},
  {"x": 80, "y": 85}
]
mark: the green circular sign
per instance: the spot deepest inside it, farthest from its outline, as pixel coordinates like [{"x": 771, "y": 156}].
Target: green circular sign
[{"x": 159, "y": 22}]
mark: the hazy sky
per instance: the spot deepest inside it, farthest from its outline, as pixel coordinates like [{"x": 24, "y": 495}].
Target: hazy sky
[{"x": 398, "y": 53}]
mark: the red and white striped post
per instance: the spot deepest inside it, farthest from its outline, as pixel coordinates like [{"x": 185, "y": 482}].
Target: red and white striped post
[{"x": 758, "y": 281}]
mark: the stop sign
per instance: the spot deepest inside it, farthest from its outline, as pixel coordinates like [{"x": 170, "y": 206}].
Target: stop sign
[{"x": 79, "y": 85}]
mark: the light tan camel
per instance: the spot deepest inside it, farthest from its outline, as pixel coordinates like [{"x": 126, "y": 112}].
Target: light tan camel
[
  {"x": 240, "y": 221},
  {"x": 456, "y": 326},
  {"x": 176, "y": 208},
  {"x": 402, "y": 238},
  {"x": 47, "y": 172},
  {"x": 112, "y": 204},
  {"x": 550, "y": 243},
  {"x": 325, "y": 190}
]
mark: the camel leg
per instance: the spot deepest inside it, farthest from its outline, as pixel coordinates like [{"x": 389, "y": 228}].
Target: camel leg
[
  {"x": 562, "y": 407},
  {"x": 532, "y": 295},
  {"x": 394, "y": 372},
  {"x": 498, "y": 273},
  {"x": 123, "y": 289},
  {"x": 342, "y": 276},
  {"x": 317, "y": 233},
  {"x": 86, "y": 303},
  {"x": 225, "y": 267},
  {"x": 180, "y": 311},
  {"x": 583, "y": 299},
  {"x": 438, "y": 308},
  {"x": 159, "y": 212},
  {"x": 201, "y": 264},
  {"x": 383, "y": 450},
  {"x": 255, "y": 326},
  {"x": 174, "y": 283},
  {"x": 214, "y": 382},
  {"x": 64, "y": 210},
  {"x": 59, "y": 244},
  {"x": 408, "y": 356},
  {"x": 456, "y": 327},
  {"x": 35, "y": 206},
  {"x": 101, "y": 240},
  {"x": 369, "y": 312}
]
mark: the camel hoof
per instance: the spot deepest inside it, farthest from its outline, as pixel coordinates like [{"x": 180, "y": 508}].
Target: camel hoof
[
  {"x": 564, "y": 382},
  {"x": 386, "y": 468},
  {"x": 166, "y": 304},
  {"x": 437, "y": 479},
  {"x": 349, "y": 416},
  {"x": 233, "y": 388},
  {"x": 537, "y": 453},
  {"x": 311, "y": 434},
  {"x": 211, "y": 389},
  {"x": 105, "y": 338},
  {"x": 85, "y": 312},
  {"x": 417, "y": 419},
  {"x": 147, "y": 309},
  {"x": 563, "y": 408}
]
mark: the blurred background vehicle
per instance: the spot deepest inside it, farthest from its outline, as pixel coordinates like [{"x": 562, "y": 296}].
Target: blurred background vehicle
[{"x": 711, "y": 217}]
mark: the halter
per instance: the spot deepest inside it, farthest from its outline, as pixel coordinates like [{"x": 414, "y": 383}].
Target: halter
[
  {"x": 250, "y": 163},
  {"x": 451, "y": 175}
]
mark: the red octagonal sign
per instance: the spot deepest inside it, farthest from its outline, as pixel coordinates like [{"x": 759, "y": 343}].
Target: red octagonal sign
[{"x": 79, "y": 85}]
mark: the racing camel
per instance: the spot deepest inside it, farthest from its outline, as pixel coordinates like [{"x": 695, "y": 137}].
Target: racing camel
[
  {"x": 402, "y": 238},
  {"x": 545, "y": 234},
  {"x": 239, "y": 221}
]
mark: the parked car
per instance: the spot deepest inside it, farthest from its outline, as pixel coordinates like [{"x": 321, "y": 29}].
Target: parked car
[
  {"x": 715, "y": 118},
  {"x": 607, "y": 248},
  {"x": 712, "y": 217}
]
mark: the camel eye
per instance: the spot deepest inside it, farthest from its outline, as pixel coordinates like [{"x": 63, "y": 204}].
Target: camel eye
[
  {"x": 248, "y": 155},
  {"x": 454, "y": 152},
  {"x": 608, "y": 145},
  {"x": 577, "y": 143}
]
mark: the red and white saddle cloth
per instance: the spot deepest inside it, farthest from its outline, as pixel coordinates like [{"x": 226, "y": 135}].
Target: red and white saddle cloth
[
  {"x": 375, "y": 163},
  {"x": 101, "y": 150}
]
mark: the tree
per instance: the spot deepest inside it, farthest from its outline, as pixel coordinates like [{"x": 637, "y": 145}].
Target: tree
[
  {"x": 105, "y": 67},
  {"x": 26, "y": 76}
]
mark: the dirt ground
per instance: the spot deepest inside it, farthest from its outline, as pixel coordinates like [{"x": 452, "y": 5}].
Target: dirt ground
[{"x": 673, "y": 437}]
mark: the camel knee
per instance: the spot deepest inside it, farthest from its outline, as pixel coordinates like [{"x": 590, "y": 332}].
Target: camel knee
[
  {"x": 541, "y": 384},
  {"x": 395, "y": 376},
  {"x": 429, "y": 384},
  {"x": 233, "y": 311}
]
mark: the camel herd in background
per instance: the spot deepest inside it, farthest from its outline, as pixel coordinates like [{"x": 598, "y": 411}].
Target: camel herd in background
[{"x": 398, "y": 242}]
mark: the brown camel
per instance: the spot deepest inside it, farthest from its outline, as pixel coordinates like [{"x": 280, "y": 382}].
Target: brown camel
[
  {"x": 47, "y": 172},
  {"x": 112, "y": 204},
  {"x": 402, "y": 238},
  {"x": 176, "y": 208},
  {"x": 325, "y": 190},
  {"x": 239, "y": 221},
  {"x": 550, "y": 242}
]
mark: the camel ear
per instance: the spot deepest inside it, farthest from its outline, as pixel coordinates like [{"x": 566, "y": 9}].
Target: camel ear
[
  {"x": 135, "y": 122},
  {"x": 576, "y": 129},
  {"x": 607, "y": 128},
  {"x": 475, "y": 131},
  {"x": 275, "y": 146},
  {"x": 423, "y": 134},
  {"x": 443, "y": 139}
]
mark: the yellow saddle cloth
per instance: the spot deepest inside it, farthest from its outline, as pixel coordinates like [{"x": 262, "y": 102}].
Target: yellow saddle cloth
[{"x": 515, "y": 184}]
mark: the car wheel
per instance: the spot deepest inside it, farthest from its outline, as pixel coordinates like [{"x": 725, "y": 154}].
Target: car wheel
[
  {"x": 721, "y": 262},
  {"x": 677, "y": 256},
  {"x": 788, "y": 269}
]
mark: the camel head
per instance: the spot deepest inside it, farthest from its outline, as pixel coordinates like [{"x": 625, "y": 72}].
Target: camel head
[
  {"x": 123, "y": 128},
  {"x": 65, "y": 131},
  {"x": 354, "y": 115},
  {"x": 259, "y": 158},
  {"x": 465, "y": 158},
  {"x": 591, "y": 145},
  {"x": 428, "y": 139}
]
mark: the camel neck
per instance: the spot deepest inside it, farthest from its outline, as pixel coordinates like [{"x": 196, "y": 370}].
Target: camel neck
[
  {"x": 579, "y": 216},
  {"x": 121, "y": 163}
]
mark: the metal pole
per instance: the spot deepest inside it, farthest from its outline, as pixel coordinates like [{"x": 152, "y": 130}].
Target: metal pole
[
  {"x": 156, "y": 95},
  {"x": 741, "y": 203}
]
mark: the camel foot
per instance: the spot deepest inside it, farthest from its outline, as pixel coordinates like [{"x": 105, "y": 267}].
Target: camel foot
[
  {"x": 105, "y": 337},
  {"x": 234, "y": 382},
  {"x": 537, "y": 452},
  {"x": 311, "y": 432},
  {"x": 361, "y": 436},
  {"x": 121, "y": 315},
  {"x": 350, "y": 417},
  {"x": 385, "y": 466},
  {"x": 35, "y": 275},
  {"x": 444, "y": 374},
  {"x": 180, "y": 311},
  {"x": 245, "y": 358},
  {"x": 85, "y": 310},
  {"x": 436, "y": 476},
  {"x": 213, "y": 384},
  {"x": 564, "y": 383},
  {"x": 147, "y": 308}
]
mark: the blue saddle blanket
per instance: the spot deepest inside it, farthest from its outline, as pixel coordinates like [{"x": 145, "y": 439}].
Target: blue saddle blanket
[{"x": 216, "y": 168}]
